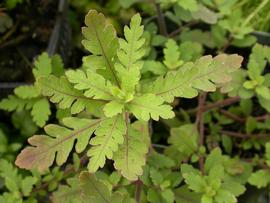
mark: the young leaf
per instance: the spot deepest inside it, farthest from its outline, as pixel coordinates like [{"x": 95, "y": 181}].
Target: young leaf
[
  {"x": 205, "y": 74},
  {"x": 108, "y": 137},
  {"x": 172, "y": 55},
  {"x": 95, "y": 85},
  {"x": 41, "y": 111},
  {"x": 150, "y": 106},
  {"x": 191, "y": 5},
  {"x": 130, "y": 157},
  {"x": 257, "y": 62},
  {"x": 43, "y": 65},
  {"x": 113, "y": 108},
  {"x": 27, "y": 91},
  {"x": 70, "y": 193},
  {"x": 184, "y": 195},
  {"x": 94, "y": 190},
  {"x": 185, "y": 139},
  {"x": 13, "y": 103},
  {"x": 59, "y": 140},
  {"x": 195, "y": 182},
  {"x": 260, "y": 178},
  {"x": 129, "y": 55},
  {"x": 62, "y": 92},
  {"x": 101, "y": 41}
]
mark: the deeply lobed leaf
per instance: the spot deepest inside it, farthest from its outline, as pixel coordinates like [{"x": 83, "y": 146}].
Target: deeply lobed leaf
[
  {"x": 62, "y": 92},
  {"x": 150, "y": 106},
  {"x": 108, "y": 137},
  {"x": 130, "y": 157},
  {"x": 58, "y": 143},
  {"x": 205, "y": 74},
  {"x": 101, "y": 41},
  {"x": 95, "y": 85}
]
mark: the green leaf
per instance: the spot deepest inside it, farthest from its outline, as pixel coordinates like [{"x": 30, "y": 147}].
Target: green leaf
[
  {"x": 113, "y": 108},
  {"x": 213, "y": 159},
  {"x": 205, "y": 14},
  {"x": 154, "y": 67},
  {"x": 260, "y": 178},
  {"x": 27, "y": 185},
  {"x": 127, "y": 3},
  {"x": 156, "y": 177},
  {"x": 195, "y": 182},
  {"x": 57, "y": 65},
  {"x": 190, "y": 51},
  {"x": 205, "y": 74},
  {"x": 263, "y": 102},
  {"x": 190, "y": 5},
  {"x": 27, "y": 92},
  {"x": 13, "y": 103},
  {"x": 267, "y": 153},
  {"x": 158, "y": 160},
  {"x": 172, "y": 55},
  {"x": 130, "y": 158},
  {"x": 130, "y": 53},
  {"x": 101, "y": 41},
  {"x": 263, "y": 91},
  {"x": 94, "y": 190},
  {"x": 224, "y": 196},
  {"x": 251, "y": 124},
  {"x": 109, "y": 135},
  {"x": 43, "y": 65},
  {"x": 185, "y": 139},
  {"x": 69, "y": 193},
  {"x": 184, "y": 195},
  {"x": 41, "y": 111},
  {"x": 59, "y": 140},
  {"x": 62, "y": 92},
  {"x": 95, "y": 85},
  {"x": 207, "y": 199},
  {"x": 257, "y": 62},
  {"x": 150, "y": 106}
]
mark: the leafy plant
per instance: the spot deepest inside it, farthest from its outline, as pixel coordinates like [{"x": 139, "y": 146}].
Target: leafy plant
[
  {"x": 29, "y": 97},
  {"x": 147, "y": 117}
]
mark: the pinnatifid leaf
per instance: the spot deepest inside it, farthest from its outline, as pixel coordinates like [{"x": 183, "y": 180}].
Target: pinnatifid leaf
[
  {"x": 150, "y": 106},
  {"x": 130, "y": 158},
  {"x": 58, "y": 143},
  {"x": 130, "y": 53},
  {"x": 95, "y": 85},
  {"x": 205, "y": 74},
  {"x": 172, "y": 55},
  {"x": 95, "y": 190},
  {"x": 41, "y": 111},
  {"x": 101, "y": 41},
  {"x": 43, "y": 65},
  {"x": 13, "y": 103},
  {"x": 27, "y": 91},
  {"x": 70, "y": 193},
  {"x": 109, "y": 135},
  {"x": 62, "y": 92}
]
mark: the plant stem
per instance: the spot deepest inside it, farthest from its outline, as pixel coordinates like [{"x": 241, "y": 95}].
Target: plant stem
[
  {"x": 232, "y": 116},
  {"x": 138, "y": 190},
  {"x": 200, "y": 125},
  {"x": 245, "y": 135},
  {"x": 217, "y": 104},
  {"x": 161, "y": 21},
  {"x": 181, "y": 28}
]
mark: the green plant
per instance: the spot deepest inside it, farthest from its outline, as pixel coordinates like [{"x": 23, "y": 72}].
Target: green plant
[
  {"x": 129, "y": 118},
  {"x": 28, "y": 97}
]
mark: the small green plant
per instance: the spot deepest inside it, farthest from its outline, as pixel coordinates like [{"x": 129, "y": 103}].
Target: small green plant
[{"x": 124, "y": 127}]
